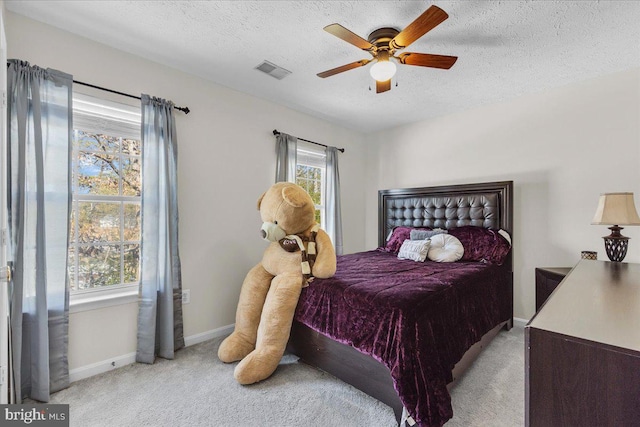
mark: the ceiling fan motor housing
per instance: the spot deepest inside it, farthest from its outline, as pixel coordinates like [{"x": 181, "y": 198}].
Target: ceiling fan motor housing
[{"x": 381, "y": 37}]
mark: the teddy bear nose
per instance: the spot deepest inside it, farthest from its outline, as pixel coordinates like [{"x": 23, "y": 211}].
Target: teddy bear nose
[{"x": 272, "y": 232}]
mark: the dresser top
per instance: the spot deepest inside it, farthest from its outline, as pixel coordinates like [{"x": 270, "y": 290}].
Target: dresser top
[{"x": 597, "y": 301}]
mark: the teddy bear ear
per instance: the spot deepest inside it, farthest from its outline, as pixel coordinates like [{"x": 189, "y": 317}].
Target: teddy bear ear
[
  {"x": 260, "y": 200},
  {"x": 295, "y": 196}
]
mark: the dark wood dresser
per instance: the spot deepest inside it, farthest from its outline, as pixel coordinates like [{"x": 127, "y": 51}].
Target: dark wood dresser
[{"x": 582, "y": 356}]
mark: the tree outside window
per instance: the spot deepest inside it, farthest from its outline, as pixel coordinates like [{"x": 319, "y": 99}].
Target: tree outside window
[
  {"x": 104, "y": 248},
  {"x": 310, "y": 175}
]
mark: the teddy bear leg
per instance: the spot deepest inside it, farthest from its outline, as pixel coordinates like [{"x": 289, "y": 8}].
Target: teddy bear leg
[
  {"x": 274, "y": 330},
  {"x": 252, "y": 298}
]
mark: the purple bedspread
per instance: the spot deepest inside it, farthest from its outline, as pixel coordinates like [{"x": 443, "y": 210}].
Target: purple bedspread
[{"x": 418, "y": 319}]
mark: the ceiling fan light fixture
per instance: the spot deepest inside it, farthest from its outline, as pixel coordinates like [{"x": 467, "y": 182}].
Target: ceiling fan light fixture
[{"x": 383, "y": 69}]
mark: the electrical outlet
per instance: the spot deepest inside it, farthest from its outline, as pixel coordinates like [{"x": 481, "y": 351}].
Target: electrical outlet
[{"x": 186, "y": 296}]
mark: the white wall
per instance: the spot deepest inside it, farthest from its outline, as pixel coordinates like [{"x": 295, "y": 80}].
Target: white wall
[
  {"x": 562, "y": 148},
  {"x": 226, "y": 160}
]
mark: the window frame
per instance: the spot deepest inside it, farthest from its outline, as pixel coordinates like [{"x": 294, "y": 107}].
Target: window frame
[
  {"x": 308, "y": 151},
  {"x": 111, "y": 114}
]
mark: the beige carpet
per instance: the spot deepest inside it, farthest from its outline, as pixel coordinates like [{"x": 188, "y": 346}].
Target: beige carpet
[
  {"x": 198, "y": 390},
  {"x": 491, "y": 392}
]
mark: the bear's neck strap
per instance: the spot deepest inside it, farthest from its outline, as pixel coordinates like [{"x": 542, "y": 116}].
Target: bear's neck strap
[{"x": 295, "y": 242}]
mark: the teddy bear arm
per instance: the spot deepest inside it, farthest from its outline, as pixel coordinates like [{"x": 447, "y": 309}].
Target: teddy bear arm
[{"x": 325, "y": 264}]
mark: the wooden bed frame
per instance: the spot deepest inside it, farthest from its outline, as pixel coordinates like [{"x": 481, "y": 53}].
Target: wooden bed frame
[{"x": 364, "y": 372}]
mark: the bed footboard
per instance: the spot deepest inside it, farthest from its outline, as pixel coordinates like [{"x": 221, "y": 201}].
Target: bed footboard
[
  {"x": 345, "y": 363},
  {"x": 362, "y": 371}
]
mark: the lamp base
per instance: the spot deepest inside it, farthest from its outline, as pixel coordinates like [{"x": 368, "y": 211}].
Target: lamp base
[{"x": 616, "y": 244}]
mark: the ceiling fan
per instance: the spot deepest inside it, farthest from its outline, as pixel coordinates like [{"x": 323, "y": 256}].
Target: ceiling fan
[{"x": 383, "y": 43}]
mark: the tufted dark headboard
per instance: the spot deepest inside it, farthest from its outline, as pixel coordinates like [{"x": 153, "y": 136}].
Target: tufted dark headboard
[{"x": 488, "y": 205}]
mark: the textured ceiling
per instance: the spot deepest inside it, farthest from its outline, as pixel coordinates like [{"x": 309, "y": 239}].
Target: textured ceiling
[{"x": 505, "y": 48}]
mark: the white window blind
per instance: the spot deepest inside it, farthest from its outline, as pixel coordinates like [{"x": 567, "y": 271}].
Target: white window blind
[
  {"x": 97, "y": 115},
  {"x": 310, "y": 155}
]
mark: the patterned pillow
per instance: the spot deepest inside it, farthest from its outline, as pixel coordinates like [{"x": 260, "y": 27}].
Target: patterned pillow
[
  {"x": 482, "y": 244},
  {"x": 415, "y": 250},
  {"x": 417, "y": 234}
]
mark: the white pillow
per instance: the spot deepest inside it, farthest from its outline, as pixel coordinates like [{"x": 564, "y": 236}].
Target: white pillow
[
  {"x": 415, "y": 250},
  {"x": 505, "y": 234},
  {"x": 445, "y": 248}
]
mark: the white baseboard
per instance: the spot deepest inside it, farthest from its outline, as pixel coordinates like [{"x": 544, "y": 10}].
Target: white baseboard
[
  {"x": 127, "y": 359},
  {"x": 520, "y": 322},
  {"x": 101, "y": 367},
  {"x": 206, "y": 336}
]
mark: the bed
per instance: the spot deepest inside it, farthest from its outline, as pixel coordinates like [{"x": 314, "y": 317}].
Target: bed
[{"x": 398, "y": 332}]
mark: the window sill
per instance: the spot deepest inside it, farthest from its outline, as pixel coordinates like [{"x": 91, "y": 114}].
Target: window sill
[{"x": 101, "y": 299}]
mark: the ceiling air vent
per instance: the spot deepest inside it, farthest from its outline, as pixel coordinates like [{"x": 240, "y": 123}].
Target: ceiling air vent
[{"x": 273, "y": 70}]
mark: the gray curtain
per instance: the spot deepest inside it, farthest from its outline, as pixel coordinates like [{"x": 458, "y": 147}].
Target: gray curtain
[
  {"x": 38, "y": 152},
  {"x": 160, "y": 303},
  {"x": 286, "y": 157},
  {"x": 334, "y": 211}
]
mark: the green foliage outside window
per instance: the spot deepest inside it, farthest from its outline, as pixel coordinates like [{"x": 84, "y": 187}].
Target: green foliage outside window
[
  {"x": 104, "y": 247},
  {"x": 310, "y": 178}
]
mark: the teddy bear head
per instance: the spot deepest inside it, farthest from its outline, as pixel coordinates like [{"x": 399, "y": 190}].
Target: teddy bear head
[{"x": 285, "y": 209}]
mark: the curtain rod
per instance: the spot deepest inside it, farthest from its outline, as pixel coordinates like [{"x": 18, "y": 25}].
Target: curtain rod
[
  {"x": 183, "y": 109},
  {"x": 276, "y": 133}
]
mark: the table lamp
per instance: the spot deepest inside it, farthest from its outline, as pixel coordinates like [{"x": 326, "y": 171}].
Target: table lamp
[{"x": 616, "y": 209}]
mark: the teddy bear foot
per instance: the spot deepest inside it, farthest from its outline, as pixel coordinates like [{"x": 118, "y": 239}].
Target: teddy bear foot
[
  {"x": 234, "y": 348},
  {"x": 257, "y": 366}
]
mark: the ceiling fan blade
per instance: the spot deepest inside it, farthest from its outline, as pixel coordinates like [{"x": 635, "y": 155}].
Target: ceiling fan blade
[
  {"x": 343, "y": 68},
  {"x": 427, "y": 60},
  {"x": 431, "y": 18},
  {"x": 383, "y": 86},
  {"x": 350, "y": 37}
]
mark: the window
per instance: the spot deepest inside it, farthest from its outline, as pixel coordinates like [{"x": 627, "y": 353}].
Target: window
[
  {"x": 310, "y": 175},
  {"x": 104, "y": 244}
]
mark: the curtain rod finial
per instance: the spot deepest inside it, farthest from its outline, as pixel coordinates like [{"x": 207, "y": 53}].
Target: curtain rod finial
[{"x": 275, "y": 132}]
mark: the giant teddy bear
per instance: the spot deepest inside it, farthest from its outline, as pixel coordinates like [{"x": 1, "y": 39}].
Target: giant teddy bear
[{"x": 299, "y": 251}]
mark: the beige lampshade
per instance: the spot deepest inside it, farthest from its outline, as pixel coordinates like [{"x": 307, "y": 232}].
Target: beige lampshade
[{"x": 616, "y": 209}]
